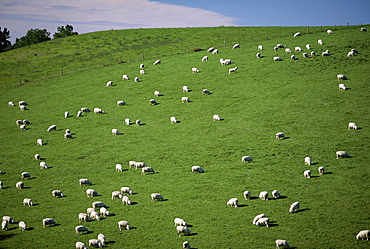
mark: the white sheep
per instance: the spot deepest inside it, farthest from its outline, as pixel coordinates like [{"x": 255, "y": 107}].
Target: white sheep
[
  {"x": 22, "y": 103},
  {"x": 95, "y": 242},
  {"x": 23, "y": 107},
  {"x": 257, "y": 218},
  {"x": 124, "y": 224},
  {"x": 121, "y": 102},
  {"x": 320, "y": 42},
  {"x": 126, "y": 190},
  {"x": 83, "y": 217},
  {"x": 139, "y": 165},
  {"x": 90, "y": 210},
  {"x": 287, "y": 50},
  {"x": 91, "y": 193},
  {"x": 157, "y": 62},
  {"x": 206, "y": 92},
  {"x": 279, "y": 136},
  {"x": 11, "y": 104},
  {"x": 276, "y": 58},
  {"x": 80, "y": 245},
  {"x": 142, "y": 72},
  {"x": 305, "y": 55},
  {"x": 307, "y": 160},
  {"x": 281, "y": 243},
  {"x": 25, "y": 175},
  {"x": 295, "y": 206},
  {"x": 52, "y": 128},
  {"x": 125, "y": 77},
  {"x": 157, "y": 93},
  {"x": 173, "y": 120},
  {"x": 98, "y": 111},
  {"x": 195, "y": 70},
  {"x": 321, "y": 170},
  {"x": 264, "y": 195},
  {"x": 104, "y": 212},
  {"x": 95, "y": 215},
  {"x": 352, "y": 125},
  {"x": 298, "y": 49},
  {"x": 19, "y": 122},
  {"x": 275, "y": 194},
  {"x": 215, "y": 51},
  {"x": 185, "y": 99},
  {"x": 126, "y": 200},
  {"x": 142, "y": 66},
  {"x": 185, "y": 89},
  {"x": 232, "y": 70},
  {"x": 364, "y": 234},
  {"x": 116, "y": 194},
  {"x": 156, "y": 196},
  {"x": 148, "y": 170},
  {"x": 19, "y": 185},
  {"x": 247, "y": 159},
  {"x": 116, "y": 132},
  {"x": 247, "y": 195},
  {"x": 22, "y": 225},
  {"x": 84, "y": 109},
  {"x": 57, "y": 193},
  {"x": 152, "y": 102},
  {"x": 205, "y": 58},
  {"x": 351, "y": 53},
  {"x": 263, "y": 221},
  {"x": 182, "y": 229},
  {"x": 1, "y": 185},
  {"x": 363, "y": 29},
  {"x": 210, "y": 49},
  {"x": 48, "y": 221},
  {"x": 297, "y": 34},
  {"x": 236, "y": 46},
  {"x": 109, "y": 83},
  {"x": 280, "y": 45},
  {"x": 85, "y": 182},
  {"x": 101, "y": 237},
  {"x": 127, "y": 121},
  {"x": 131, "y": 163},
  {"x": 28, "y": 202},
  {"x": 258, "y": 55},
  {"x": 233, "y": 202},
  {"x": 179, "y": 222},
  {"x": 23, "y": 127},
  {"x": 307, "y": 173},
  {"x": 260, "y": 47},
  {"x": 9, "y": 219},
  {"x": 276, "y": 49},
  {"x": 342, "y": 154},
  {"x": 138, "y": 122},
  {"x": 325, "y": 53},
  {"x": 197, "y": 169},
  {"x": 119, "y": 167},
  {"x": 341, "y": 77},
  {"x": 81, "y": 229},
  {"x": 4, "y": 225},
  {"x": 225, "y": 62},
  {"x": 292, "y": 57},
  {"x": 308, "y": 47},
  {"x": 186, "y": 244},
  {"x": 329, "y": 31},
  {"x": 68, "y": 136},
  {"x": 216, "y": 117},
  {"x": 313, "y": 54}
]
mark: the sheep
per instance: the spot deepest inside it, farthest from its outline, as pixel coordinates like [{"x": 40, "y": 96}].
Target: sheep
[
  {"x": 307, "y": 173},
  {"x": 152, "y": 102},
  {"x": 83, "y": 217},
  {"x": 120, "y": 102},
  {"x": 307, "y": 160},
  {"x": 247, "y": 195},
  {"x": 225, "y": 62},
  {"x": 68, "y": 136},
  {"x": 142, "y": 66},
  {"x": 292, "y": 57},
  {"x": 104, "y": 212},
  {"x": 22, "y": 107},
  {"x": 279, "y": 136},
  {"x": 281, "y": 243},
  {"x": 320, "y": 42},
  {"x": 351, "y": 53},
  {"x": 197, "y": 169},
  {"x": 67, "y": 131},
  {"x": 321, "y": 170},
  {"x": 123, "y": 223},
  {"x": 210, "y": 49},
  {"x": 329, "y": 31},
  {"x": 276, "y": 58},
  {"x": 341, "y": 77},
  {"x": 275, "y": 194},
  {"x": 119, "y": 167},
  {"x": 195, "y": 70},
  {"x": 95, "y": 242},
  {"x": 139, "y": 165},
  {"x": 147, "y": 169},
  {"x": 138, "y": 122},
  {"x": 205, "y": 58},
  {"x": 126, "y": 190},
  {"x": 297, "y": 34},
  {"x": 101, "y": 237},
  {"x": 84, "y": 109},
  {"x": 305, "y": 55},
  {"x": 126, "y": 200},
  {"x": 95, "y": 215},
  {"x": 81, "y": 229},
  {"x": 37, "y": 156},
  {"x": 157, "y": 93},
  {"x": 276, "y": 49},
  {"x": 136, "y": 79},
  {"x": 25, "y": 175},
  {"x": 308, "y": 47},
  {"x": 186, "y": 244},
  {"x": 185, "y": 99},
  {"x": 131, "y": 163},
  {"x": 19, "y": 122},
  {"x": 342, "y": 154},
  {"x": 90, "y": 210},
  {"x": 156, "y": 196},
  {"x": 215, "y": 51},
  {"x": 26, "y": 122},
  {"x": 19, "y": 185},
  {"x": 313, "y": 54},
  {"x": 182, "y": 229},
  {"x": 233, "y": 70},
  {"x": 116, "y": 132},
  {"x": 1, "y": 185},
  {"x": 247, "y": 159},
  {"x": 185, "y": 89},
  {"x": 298, "y": 49},
  {"x": 48, "y": 221},
  {"x": 342, "y": 87},
  {"x": 22, "y": 103},
  {"x": 142, "y": 72},
  {"x": 127, "y": 121},
  {"x": 85, "y": 181},
  {"x": 287, "y": 50},
  {"x": 352, "y": 125},
  {"x": 157, "y": 62},
  {"x": 23, "y": 127},
  {"x": 173, "y": 120},
  {"x": 52, "y": 128},
  {"x": 257, "y": 218},
  {"x": 233, "y": 202},
  {"x": 57, "y": 193},
  {"x": 66, "y": 114},
  {"x": 91, "y": 193},
  {"x": 80, "y": 245},
  {"x": 10, "y": 104},
  {"x": 216, "y": 117},
  {"x": 364, "y": 234},
  {"x": 9, "y": 219},
  {"x": 260, "y": 47},
  {"x": 125, "y": 77},
  {"x": 98, "y": 111},
  {"x": 4, "y": 225},
  {"x": 236, "y": 46},
  {"x": 294, "y": 206},
  {"x": 363, "y": 29},
  {"x": 179, "y": 222},
  {"x": 258, "y": 55},
  {"x": 28, "y": 202},
  {"x": 264, "y": 195},
  {"x": 326, "y": 53},
  {"x": 263, "y": 221},
  {"x": 116, "y": 194},
  {"x": 280, "y": 46},
  {"x": 22, "y": 225}
]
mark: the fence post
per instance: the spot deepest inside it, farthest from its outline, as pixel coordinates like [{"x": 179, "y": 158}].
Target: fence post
[
  {"x": 61, "y": 71},
  {"x": 142, "y": 56},
  {"x": 267, "y": 36},
  {"x": 102, "y": 62},
  {"x": 308, "y": 30},
  {"x": 224, "y": 43}
]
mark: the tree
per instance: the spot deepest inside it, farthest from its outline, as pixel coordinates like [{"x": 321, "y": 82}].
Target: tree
[
  {"x": 64, "y": 31},
  {"x": 32, "y": 36},
  {"x": 4, "y": 36}
]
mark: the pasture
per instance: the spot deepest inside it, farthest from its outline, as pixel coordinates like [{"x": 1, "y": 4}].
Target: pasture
[{"x": 263, "y": 97}]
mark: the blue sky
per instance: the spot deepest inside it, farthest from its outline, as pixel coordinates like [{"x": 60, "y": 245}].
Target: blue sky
[{"x": 95, "y": 15}]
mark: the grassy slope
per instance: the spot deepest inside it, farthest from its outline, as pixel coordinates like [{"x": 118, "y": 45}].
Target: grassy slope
[{"x": 263, "y": 97}]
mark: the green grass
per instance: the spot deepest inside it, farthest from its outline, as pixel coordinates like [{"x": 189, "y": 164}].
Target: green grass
[{"x": 300, "y": 98}]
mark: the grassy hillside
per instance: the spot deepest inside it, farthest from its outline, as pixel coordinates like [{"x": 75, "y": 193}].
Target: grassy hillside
[{"x": 300, "y": 98}]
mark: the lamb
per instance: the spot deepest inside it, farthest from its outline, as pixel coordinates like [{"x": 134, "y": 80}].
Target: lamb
[
  {"x": 157, "y": 93},
  {"x": 137, "y": 122},
  {"x": 216, "y": 117},
  {"x": 247, "y": 159},
  {"x": 351, "y": 53},
  {"x": 80, "y": 245},
  {"x": 186, "y": 244},
  {"x": 281, "y": 243},
  {"x": 126, "y": 190},
  {"x": 182, "y": 229},
  {"x": 233, "y": 70},
  {"x": 307, "y": 173},
  {"x": 292, "y": 57},
  {"x": 236, "y": 46},
  {"x": 116, "y": 132},
  {"x": 10, "y": 104},
  {"x": 298, "y": 49},
  {"x": 40, "y": 142},
  {"x": 139, "y": 165},
  {"x": 81, "y": 229},
  {"x": 84, "y": 109},
  {"x": 121, "y": 102},
  {"x": 263, "y": 221},
  {"x": 308, "y": 47},
  {"x": 104, "y": 212},
  {"x": 342, "y": 154},
  {"x": 247, "y": 195},
  {"x": 43, "y": 165},
  {"x": 287, "y": 50},
  {"x": 131, "y": 163},
  {"x": 109, "y": 83},
  {"x": 125, "y": 77},
  {"x": 126, "y": 200},
  {"x": 258, "y": 55},
  {"x": 95, "y": 215},
  {"x": 277, "y": 58},
  {"x": 295, "y": 206},
  {"x": 22, "y": 225},
  {"x": 57, "y": 193},
  {"x": 28, "y": 202},
  {"x": 297, "y": 34},
  {"x": 52, "y": 128},
  {"x": 124, "y": 224},
  {"x": 83, "y": 217},
  {"x": 85, "y": 181},
  {"x": 260, "y": 47},
  {"x": 321, "y": 170},
  {"x": 23, "y": 127},
  {"x": 329, "y": 31},
  {"x": 66, "y": 114},
  {"x": 257, "y": 218},
  {"x": 116, "y": 194},
  {"x": 127, "y": 121},
  {"x": 364, "y": 234},
  {"x": 173, "y": 120},
  {"x": 320, "y": 42},
  {"x": 195, "y": 70},
  {"x": 185, "y": 99},
  {"x": 185, "y": 89},
  {"x": 26, "y": 175},
  {"x": 233, "y": 202},
  {"x": 9, "y": 219},
  {"x": 48, "y": 221},
  {"x": 341, "y": 77},
  {"x": 119, "y": 167},
  {"x": 305, "y": 55},
  {"x": 179, "y": 222},
  {"x": 147, "y": 169},
  {"x": 215, "y": 51},
  {"x": 136, "y": 79},
  {"x": 197, "y": 169},
  {"x": 156, "y": 196},
  {"x": 264, "y": 195},
  {"x": 275, "y": 194},
  {"x": 352, "y": 125},
  {"x": 280, "y": 135},
  {"x": 4, "y": 225},
  {"x": 142, "y": 72},
  {"x": 205, "y": 58},
  {"x": 313, "y": 54},
  {"x": 98, "y": 111},
  {"x": 307, "y": 160},
  {"x": 342, "y": 87},
  {"x": 101, "y": 237},
  {"x": 19, "y": 185},
  {"x": 91, "y": 193},
  {"x": 152, "y": 102},
  {"x": 95, "y": 242},
  {"x": 157, "y": 62}
]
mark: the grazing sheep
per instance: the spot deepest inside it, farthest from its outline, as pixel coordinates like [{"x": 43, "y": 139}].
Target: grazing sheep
[
  {"x": 352, "y": 125},
  {"x": 22, "y": 103},
  {"x": 206, "y": 92},
  {"x": 186, "y": 244},
  {"x": 26, "y": 122},
  {"x": 147, "y": 169},
  {"x": 185, "y": 89},
  {"x": 66, "y": 114},
  {"x": 233, "y": 202},
  {"x": 126, "y": 190},
  {"x": 19, "y": 122},
  {"x": 257, "y": 218},
  {"x": 173, "y": 120},
  {"x": 341, "y": 77},
  {"x": 67, "y": 131},
  {"x": 104, "y": 212},
  {"x": 124, "y": 224},
  {"x": 280, "y": 135},
  {"x": 84, "y": 109},
  {"x": 185, "y": 100},
  {"x": 195, "y": 70},
  {"x": 258, "y": 55},
  {"x": 280, "y": 46},
  {"x": 97, "y": 204},
  {"x": 136, "y": 79},
  {"x": 307, "y": 173},
  {"x": 210, "y": 49},
  {"x": 364, "y": 234},
  {"x": 126, "y": 200},
  {"x": 116, "y": 194},
  {"x": 142, "y": 66},
  {"x": 292, "y": 57},
  {"x": 11, "y": 104},
  {"x": 139, "y": 165},
  {"x": 85, "y": 181},
  {"x": 275, "y": 194},
  {"x": 233, "y": 70},
  {"x": 19, "y": 185},
  {"x": 179, "y": 222},
  {"x": 277, "y": 58},
  {"x": 156, "y": 196},
  {"x": 121, "y": 102},
  {"x": 236, "y": 46},
  {"x": 127, "y": 121},
  {"x": 98, "y": 111},
  {"x": 28, "y": 202},
  {"x": 216, "y": 117},
  {"x": 48, "y": 221},
  {"x": 57, "y": 193},
  {"x": 90, "y": 210},
  {"x": 264, "y": 195},
  {"x": 125, "y": 77},
  {"x": 297, "y": 34},
  {"x": 116, "y": 132},
  {"x": 81, "y": 229},
  {"x": 68, "y": 136},
  {"x": 22, "y": 107},
  {"x": 305, "y": 55},
  {"x": 26, "y": 175},
  {"x": 298, "y": 49},
  {"x": 276, "y": 49},
  {"x": 156, "y": 93},
  {"x": 95, "y": 215},
  {"x": 119, "y": 167},
  {"x": 205, "y": 58},
  {"x": 182, "y": 229},
  {"x": 308, "y": 47},
  {"x": 307, "y": 160},
  {"x": 95, "y": 242},
  {"x": 91, "y": 193},
  {"x": 83, "y": 217},
  {"x": 52, "y": 128},
  {"x": 80, "y": 245},
  {"x": 351, "y": 53},
  {"x": 313, "y": 54},
  {"x": 320, "y": 42},
  {"x": 137, "y": 122},
  {"x": 247, "y": 159},
  {"x": 342, "y": 154},
  {"x": 4, "y": 225},
  {"x": 109, "y": 83},
  {"x": 79, "y": 114},
  {"x": 23, "y": 127},
  {"x": 247, "y": 195},
  {"x": 287, "y": 50},
  {"x": 329, "y": 31},
  {"x": 215, "y": 51},
  {"x": 152, "y": 102},
  {"x": 22, "y": 225},
  {"x": 281, "y": 243},
  {"x": 101, "y": 237},
  {"x": 157, "y": 62},
  {"x": 131, "y": 163},
  {"x": 1, "y": 185},
  {"x": 295, "y": 206},
  {"x": 260, "y": 47},
  {"x": 225, "y": 62},
  {"x": 342, "y": 87},
  {"x": 263, "y": 221},
  {"x": 142, "y": 72},
  {"x": 321, "y": 170},
  {"x": 197, "y": 169},
  {"x": 9, "y": 219},
  {"x": 326, "y": 53},
  {"x": 363, "y": 29}
]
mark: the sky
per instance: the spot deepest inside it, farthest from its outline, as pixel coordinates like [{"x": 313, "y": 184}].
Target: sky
[{"x": 86, "y": 16}]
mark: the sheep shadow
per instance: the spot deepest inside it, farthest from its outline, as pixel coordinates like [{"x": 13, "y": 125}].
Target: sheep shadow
[
  {"x": 302, "y": 210},
  {"x": 243, "y": 205},
  {"x": 110, "y": 242},
  {"x": 191, "y": 234},
  {"x": 254, "y": 197},
  {"x": 26, "y": 187},
  {"x": 141, "y": 124},
  {"x": 34, "y": 177},
  {"x": 314, "y": 163},
  {"x": 4, "y": 236},
  {"x": 134, "y": 203},
  {"x": 314, "y": 176},
  {"x": 30, "y": 228},
  {"x": 178, "y": 122},
  {"x": 328, "y": 173}
]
